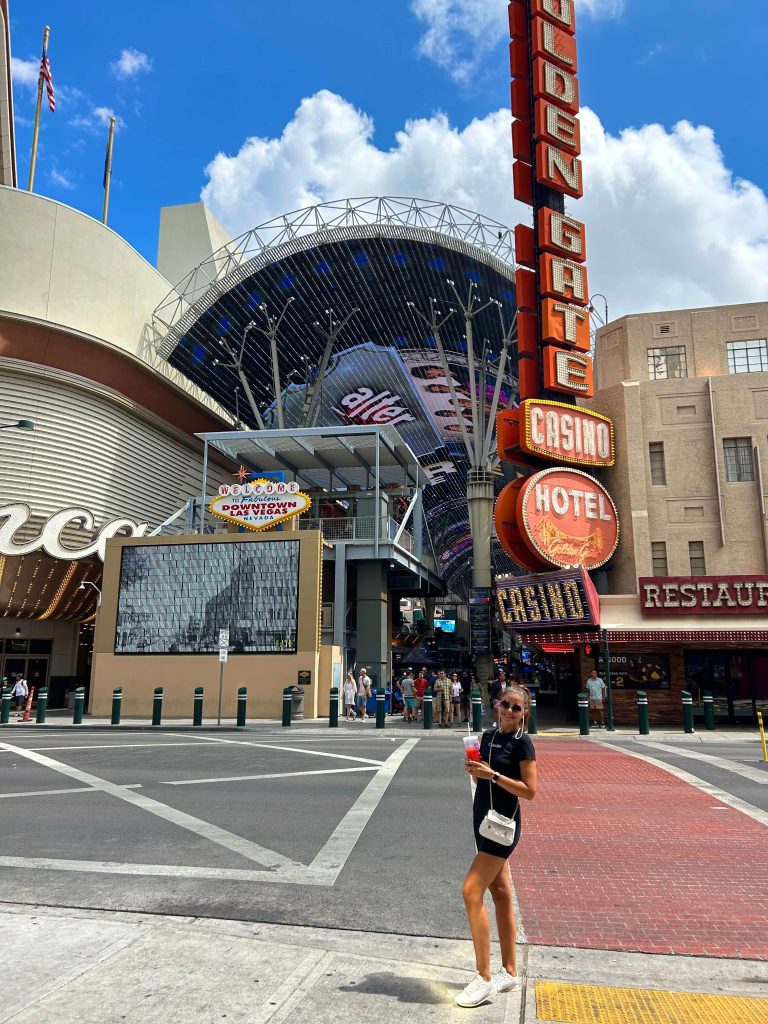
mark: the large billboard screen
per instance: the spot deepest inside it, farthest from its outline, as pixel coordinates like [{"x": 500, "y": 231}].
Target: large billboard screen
[{"x": 174, "y": 598}]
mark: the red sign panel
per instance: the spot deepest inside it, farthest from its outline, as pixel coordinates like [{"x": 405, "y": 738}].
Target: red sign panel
[
  {"x": 567, "y": 518},
  {"x": 704, "y": 595},
  {"x": 566, "y": 433}
]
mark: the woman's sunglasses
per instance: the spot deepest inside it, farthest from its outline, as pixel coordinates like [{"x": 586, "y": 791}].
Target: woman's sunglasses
[{"x": 517, "y": 708}]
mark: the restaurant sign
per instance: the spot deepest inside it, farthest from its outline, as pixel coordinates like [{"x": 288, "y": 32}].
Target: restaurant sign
[
  {"x": 548, "y": 600},
  {"x": 260, "y": 504},
  {"x": 703, "y": 595}
]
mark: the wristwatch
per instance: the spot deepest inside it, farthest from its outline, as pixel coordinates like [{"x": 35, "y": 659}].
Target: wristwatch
[{"x": 495, "y": 777}]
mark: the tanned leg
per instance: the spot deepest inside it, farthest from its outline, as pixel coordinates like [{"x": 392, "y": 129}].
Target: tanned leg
[
  {"x": 501, "y": 891},
  {"x": 480, "y": 877}
]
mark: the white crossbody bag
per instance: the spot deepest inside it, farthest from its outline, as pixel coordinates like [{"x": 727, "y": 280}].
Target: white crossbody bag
[{"x": 495, "y": 826}]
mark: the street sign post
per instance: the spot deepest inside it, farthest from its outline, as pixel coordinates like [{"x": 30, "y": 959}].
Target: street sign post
[{"x": 223, "y": 656}]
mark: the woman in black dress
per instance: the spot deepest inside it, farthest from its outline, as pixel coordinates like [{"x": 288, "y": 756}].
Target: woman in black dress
[{"x": 505, "y": 773}]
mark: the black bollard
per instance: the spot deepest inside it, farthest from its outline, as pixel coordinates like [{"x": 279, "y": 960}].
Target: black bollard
[
  {"x": 242, "y": 700},
  {"x": 583, "y": 714},
  {"x": 687, "y": 711},
  {"x": 5, "y": 706},
  {"x": 77, "y": 716},
  {"x": 643, "y": 723},
  {"x": 333, "y": 708},
  {"x": 197, "y": 711},
  {"x": 42, "y": 705},
  {"x": 381, "y": 709},
  {"x": 427, "y": 709},
  {"x": 476, "y": 702},
  {"x": 287, "y": 699},
  {"x": 157, "y": 706},
  {"x": 533, "y": 724},
  {"x": 709, "y": 711},
  {"x": 117, "y": 705}
]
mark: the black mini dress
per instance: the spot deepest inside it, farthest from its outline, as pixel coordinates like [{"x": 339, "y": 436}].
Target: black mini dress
[{"x": 503, "y": 752}]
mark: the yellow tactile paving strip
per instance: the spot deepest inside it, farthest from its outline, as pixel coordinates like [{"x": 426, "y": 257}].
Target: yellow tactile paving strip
[{"x": 591, "y": 1004}]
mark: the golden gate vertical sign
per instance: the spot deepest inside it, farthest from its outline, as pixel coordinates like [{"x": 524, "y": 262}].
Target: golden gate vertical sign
[
  {"x": 553, "y": 325},
  {"x": 551, "y": 282}
]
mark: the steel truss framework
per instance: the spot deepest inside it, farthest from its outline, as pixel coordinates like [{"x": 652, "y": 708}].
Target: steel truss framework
[{"x": 312, "y": 320}]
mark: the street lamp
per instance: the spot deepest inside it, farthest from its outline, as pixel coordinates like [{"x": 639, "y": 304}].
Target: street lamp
[
  {"x": 19, "y": 425},
  {"x": 87, "y": 583}
]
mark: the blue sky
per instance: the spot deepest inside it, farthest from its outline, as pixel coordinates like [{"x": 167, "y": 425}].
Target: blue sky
[{"x": 195, "y": 85}]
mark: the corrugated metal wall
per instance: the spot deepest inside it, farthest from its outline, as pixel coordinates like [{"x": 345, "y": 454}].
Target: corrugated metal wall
[{"x": 90, "y": 448}]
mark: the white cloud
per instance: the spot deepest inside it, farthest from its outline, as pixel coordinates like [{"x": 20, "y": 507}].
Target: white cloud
[
  {"x": 131, "y": 63},
  {"x": 62, "y": 179},
  {"x": 459, "y": 32},
  {"x": 667, "y": 224},
  {"x": 98, "y": 118},
  {"x": 25, "y": 72}
]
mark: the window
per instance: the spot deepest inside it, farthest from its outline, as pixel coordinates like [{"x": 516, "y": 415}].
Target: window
[
  {"x": 696, "y": 557},
  {"x": 659, "y": 558},
  {"x": 739, "y": 465},
  {"x": 656, "y": 456},
  {"x": 747, "y": 356},
  {"x": 667, "y": 363}
]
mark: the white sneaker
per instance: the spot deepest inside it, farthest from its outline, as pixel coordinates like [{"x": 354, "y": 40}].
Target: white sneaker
[
  {"x": 503, "y": 981},
  {"x": 476, "y": 992}
]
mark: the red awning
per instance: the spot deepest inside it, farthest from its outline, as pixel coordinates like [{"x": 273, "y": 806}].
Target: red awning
[{"x": 557, "y": 648}]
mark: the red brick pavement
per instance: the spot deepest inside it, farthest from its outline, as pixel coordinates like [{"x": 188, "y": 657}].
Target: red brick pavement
[{"x": 619, "y": 854}]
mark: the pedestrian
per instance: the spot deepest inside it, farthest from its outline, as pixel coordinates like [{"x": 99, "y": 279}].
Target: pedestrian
[
  {"x": 363, "y": 693},
  {"x": 455, "y": 698},
  {"x": 466, "y": 690},
  {"x": 596, "y": 690},
  {"x": 350, "y": 692},
  {"x": 504, "y": 775},
  {"x": 407, "y": 685},
  {"x": 420, "y": 685},
  {"x": 20, "y": 693},
  {"x": 441, "y": 700}
]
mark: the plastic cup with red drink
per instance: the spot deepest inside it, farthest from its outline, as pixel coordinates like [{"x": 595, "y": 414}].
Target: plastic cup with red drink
[{"x": 472, "y": 747}]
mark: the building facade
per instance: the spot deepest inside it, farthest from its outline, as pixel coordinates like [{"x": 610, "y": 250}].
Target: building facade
[{"x": 687, "y": 591}]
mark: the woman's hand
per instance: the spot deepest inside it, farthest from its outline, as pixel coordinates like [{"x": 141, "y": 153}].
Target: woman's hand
[{"x": 478, "y": 769}]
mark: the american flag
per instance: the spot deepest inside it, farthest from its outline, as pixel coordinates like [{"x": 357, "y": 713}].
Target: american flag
[{"x": 45, "y": 72}]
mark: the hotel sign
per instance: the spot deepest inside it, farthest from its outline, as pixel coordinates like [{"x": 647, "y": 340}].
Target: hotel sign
[
  {"x": 554, "y": 522},
  {"x": 49, "y": 539},
  {"x": 548, "y": 601},
  {"x": 704, "y": 595}
]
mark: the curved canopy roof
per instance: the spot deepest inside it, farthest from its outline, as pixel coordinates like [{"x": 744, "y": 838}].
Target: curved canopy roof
[{"x": 317, "y": 317}]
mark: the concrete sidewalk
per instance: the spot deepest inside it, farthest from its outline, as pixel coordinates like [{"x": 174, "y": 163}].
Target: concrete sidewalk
[{"x": 67, "y": 966}]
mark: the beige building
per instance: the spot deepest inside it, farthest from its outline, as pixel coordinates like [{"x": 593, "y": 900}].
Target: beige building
[{"x": 688, "y": 393}]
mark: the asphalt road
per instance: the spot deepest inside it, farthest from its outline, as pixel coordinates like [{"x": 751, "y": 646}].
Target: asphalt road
[{"x": 358, "y": 829}]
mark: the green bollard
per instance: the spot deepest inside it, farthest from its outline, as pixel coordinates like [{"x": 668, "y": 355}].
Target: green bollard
[
  {"x": 5, "y": 706},
  {"x": 117, "y": 705},
  {"x": 709, "y": 711},
  {"x": 42, "y": 705},
  {"x": 157, "y": 706},
  {"x": 333, "y": 708},
  {"x": 381, "y": 708},
  {"x": 287, "y": 699},
  {"x": 687, "y": 711},
  {"x": 426, "y": 707},
  {"x": 643, "y": 724},
  {"x": 197, "y": 712},
  {"x": 242, "y": 700},
  {"x": 77, "y": 717},
  {"x": 476, "y": 703},
  {"x": 583, "y": 714},
  {"x": 533, "y": 724}
]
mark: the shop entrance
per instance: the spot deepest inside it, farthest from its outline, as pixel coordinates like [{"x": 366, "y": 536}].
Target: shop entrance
[
  {"x": 30, "y": 657},
  {"x": 738, "y": 680}
]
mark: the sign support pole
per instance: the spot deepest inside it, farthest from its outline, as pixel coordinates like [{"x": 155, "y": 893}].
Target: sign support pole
[
  {"x": 221, "y": 688},
  {"x": 607, "y": 680}
]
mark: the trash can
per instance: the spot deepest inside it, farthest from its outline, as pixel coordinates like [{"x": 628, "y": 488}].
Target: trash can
[
  {"x": 71, "y": 700},
  {"x": 297, "y": 704}
]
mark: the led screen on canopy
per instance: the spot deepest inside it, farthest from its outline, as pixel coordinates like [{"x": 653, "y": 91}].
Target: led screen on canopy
[{"x": 384, "y": 366}]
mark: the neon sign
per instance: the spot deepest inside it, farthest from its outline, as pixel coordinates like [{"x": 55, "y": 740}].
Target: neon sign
[{"x": 49, "y": 540}]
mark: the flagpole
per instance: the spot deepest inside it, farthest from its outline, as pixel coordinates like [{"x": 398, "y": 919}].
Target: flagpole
[
  {"x": 36, "y": 131},
  {"x": 108, "y": 170}
]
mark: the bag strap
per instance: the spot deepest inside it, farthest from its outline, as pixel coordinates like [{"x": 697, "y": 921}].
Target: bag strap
[{"x": 490, "y": 783}]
